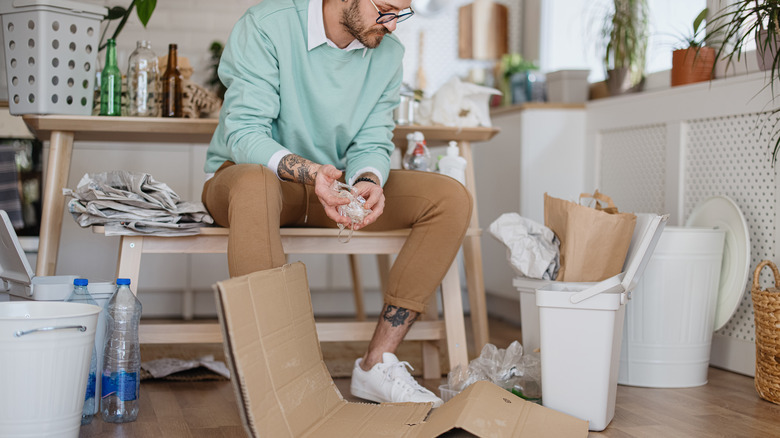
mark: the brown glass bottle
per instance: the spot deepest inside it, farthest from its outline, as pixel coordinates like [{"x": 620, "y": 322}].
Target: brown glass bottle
[{"x": 172, "y": 86}]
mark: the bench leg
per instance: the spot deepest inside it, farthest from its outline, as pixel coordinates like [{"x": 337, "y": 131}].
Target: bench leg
[
  {"x": 129, "y": 263},
  {"x": 454, "y": 324},
  {"x": 357, "y": 287},
  {"x": 430, "y": 349}
]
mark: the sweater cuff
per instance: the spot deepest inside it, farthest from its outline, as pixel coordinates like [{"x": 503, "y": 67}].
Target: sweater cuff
[{"x": 276, "y": 158}]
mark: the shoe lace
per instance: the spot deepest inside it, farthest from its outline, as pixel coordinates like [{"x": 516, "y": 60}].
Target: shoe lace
[{"x": 398, "y": 371}]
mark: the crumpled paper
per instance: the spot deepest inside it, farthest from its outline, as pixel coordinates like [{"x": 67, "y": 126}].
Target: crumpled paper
[
  {"x": 457, "y": 103},
  {"x": 533, "y": 250},
  {"x": 164, "y": 367}
]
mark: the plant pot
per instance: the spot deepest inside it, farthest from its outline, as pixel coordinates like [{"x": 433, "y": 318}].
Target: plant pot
[
  {"x": 692, "y": 65},
  {"x": 619, "y": 82},
  {"x": 766, "y": 50}
]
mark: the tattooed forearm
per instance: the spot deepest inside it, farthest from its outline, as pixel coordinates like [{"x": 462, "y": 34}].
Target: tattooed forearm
[
  {"x": 298, "y": 169},
  {"x": 398, "y": 315}
]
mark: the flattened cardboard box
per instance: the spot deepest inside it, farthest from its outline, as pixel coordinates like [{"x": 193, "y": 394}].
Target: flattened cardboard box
[{"x": 284, "y": 388}]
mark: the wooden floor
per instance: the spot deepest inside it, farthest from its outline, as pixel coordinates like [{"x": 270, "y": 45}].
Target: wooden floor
[{"x": 727, "y": 406}]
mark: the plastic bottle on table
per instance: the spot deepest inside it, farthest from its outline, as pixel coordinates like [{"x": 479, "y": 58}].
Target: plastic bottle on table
[
  {"x": 142, "y": 74},
  {"x": 453, "y": 164},
  {"x": 122, "y": 357},
  {"x": 81, "y": 294},
  {"x": 417, "y": 156}
]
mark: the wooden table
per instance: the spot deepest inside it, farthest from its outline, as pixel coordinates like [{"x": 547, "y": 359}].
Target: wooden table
[{"x": 62, "y": 131}]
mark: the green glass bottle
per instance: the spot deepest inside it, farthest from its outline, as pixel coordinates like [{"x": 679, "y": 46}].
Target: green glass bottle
[{"x": 111, "y": 84}]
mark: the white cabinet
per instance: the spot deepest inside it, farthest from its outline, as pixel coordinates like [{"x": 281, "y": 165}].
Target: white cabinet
[{"x": 541, "y": 148}]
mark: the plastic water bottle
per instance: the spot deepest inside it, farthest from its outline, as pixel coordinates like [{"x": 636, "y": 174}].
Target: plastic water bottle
[
  {"x": 417, "y": 155},
  {"x": 81, "y": 294},
  {"x": 121, "y": 382}
]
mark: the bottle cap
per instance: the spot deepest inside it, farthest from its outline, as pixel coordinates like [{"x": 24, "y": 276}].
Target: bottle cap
[
  {"x": 122, "y": 281},
  {"x": 80, "y": 282}
]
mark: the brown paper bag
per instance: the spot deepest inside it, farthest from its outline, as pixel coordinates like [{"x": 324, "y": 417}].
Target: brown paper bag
[{"x": 594, "y": 241}]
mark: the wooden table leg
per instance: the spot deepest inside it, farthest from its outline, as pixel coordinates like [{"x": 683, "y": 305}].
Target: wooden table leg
[
  {"x": 57, "y": 170},
  {"x": 472, "y": 260}
]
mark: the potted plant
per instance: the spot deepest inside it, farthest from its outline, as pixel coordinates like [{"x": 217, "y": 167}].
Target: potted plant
[
  {"x": 515, "y": 84},
  {"x": 747, "y": 20},
  {"x": 695, "y": 59},
  {"x": 143, "y": 8},
  {"x": 625, "y": 31}
]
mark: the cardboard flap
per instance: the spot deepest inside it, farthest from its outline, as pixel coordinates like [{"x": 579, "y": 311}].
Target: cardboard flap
[
  {"x": 281, "y": 382},
  {"x": 487, "y": 410},
  {"x": 391, "y": 420}
]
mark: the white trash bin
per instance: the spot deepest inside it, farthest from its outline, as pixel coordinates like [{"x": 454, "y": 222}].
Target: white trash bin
[
  {"x": 668, "y": 331},
  {"x": 46, "y": 349},
  {"x": 581, "y": 326}
]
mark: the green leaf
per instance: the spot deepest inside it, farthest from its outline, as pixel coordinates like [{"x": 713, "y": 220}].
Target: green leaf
[
  {"x": 699, "y": 18},
  {"x": 116, "y": 13},
  {"x": 145, "y": 8}
]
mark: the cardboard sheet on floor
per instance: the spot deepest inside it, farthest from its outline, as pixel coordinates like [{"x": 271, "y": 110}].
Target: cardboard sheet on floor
[{"x": 284, "y": 389}]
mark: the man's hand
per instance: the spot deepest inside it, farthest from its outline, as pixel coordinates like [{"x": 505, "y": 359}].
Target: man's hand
[
  {"x": 375, "y": 200},
  {"x": 324, "y": 177}
]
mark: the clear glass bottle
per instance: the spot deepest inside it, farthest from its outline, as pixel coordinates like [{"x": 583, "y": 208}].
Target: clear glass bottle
[
  {"x": 81, "y": 294},
  {"x": 121, "y": 381},
  {"x": 111, "y": 84},
  {"x": 417, "y": 156},
  {"x": 142, "y": 72},
  {"x": 172, "y": 86}
]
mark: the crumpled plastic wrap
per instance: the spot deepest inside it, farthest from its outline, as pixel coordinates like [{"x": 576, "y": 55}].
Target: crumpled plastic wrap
[
  {"x": 508, "y": 368},
  {"x": 355, "y": 210},
  {"x": 457, "y": 103},
  {"x": 533, "y": 250}
]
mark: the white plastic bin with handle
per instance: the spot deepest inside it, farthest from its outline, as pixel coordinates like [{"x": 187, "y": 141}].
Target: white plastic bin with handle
[
  {"x": 581, "y": 326},
  {"x": 46, "y": 349}
]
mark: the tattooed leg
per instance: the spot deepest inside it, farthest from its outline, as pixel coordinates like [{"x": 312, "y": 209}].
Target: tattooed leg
[{"x": 394, "y": 323}]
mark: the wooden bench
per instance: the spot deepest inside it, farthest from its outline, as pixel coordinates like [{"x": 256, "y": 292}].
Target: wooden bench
[{"x": 430, "y": 329}]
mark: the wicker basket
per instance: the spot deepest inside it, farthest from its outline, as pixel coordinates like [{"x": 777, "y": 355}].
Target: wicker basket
[{"x": 766, "y": 305}]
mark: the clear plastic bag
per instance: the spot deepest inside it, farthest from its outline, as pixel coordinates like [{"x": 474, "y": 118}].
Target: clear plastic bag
[
  {"x": 355, "y": 210},
  {"x": 508, "y": 368}
]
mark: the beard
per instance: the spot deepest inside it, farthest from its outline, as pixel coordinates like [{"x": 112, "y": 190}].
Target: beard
[{"x": 368, "y": 36}]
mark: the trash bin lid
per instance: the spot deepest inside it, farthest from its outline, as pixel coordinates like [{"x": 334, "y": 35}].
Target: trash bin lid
[
  {"x": 14, "y": 267},
  {"x": 723, "y": 213}
]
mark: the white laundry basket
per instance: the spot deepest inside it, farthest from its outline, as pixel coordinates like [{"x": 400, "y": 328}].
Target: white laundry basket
[
  {"x": 668, "y": 331},
  {"x": 46, "y": 349},
  {"x": 51, "y": 50}
]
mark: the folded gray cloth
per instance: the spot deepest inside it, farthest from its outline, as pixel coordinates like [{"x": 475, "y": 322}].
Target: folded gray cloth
[{"x": 129, "y": 203}]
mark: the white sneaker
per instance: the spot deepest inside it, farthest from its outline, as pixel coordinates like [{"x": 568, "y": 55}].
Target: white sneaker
[{"x": 389, "y": 382}]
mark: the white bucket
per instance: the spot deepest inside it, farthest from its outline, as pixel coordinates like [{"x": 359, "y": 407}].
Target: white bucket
[
  {"x": 46, "y": 349},
  {"x": 580, "y": 346},
  {"x": 669, "y": 319}
]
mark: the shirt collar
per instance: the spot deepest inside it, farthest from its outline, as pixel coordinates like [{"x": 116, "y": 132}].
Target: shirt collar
[{"x": 316, "y": 29}]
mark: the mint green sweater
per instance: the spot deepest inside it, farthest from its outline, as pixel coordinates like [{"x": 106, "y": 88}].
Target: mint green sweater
[{"x": 327, "y": 105}]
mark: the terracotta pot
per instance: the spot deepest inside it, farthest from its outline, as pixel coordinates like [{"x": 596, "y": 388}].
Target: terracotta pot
[
  {"x": 692, "y": 65},
  {"x": 766, "y": 50}
]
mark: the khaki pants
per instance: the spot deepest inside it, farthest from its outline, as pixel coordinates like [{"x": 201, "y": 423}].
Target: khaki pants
[{"x": 254, "y": 204}]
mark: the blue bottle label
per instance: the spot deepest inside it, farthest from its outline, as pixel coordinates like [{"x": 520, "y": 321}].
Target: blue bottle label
[
  {"x": 121, "y": 384},
  {"x": 91, "y": 386}
]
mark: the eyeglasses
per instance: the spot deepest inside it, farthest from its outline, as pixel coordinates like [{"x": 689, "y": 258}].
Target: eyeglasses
[{"x": 386, "y": 17}]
